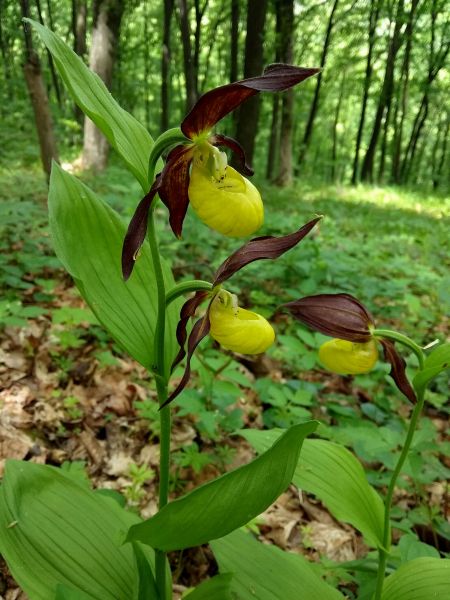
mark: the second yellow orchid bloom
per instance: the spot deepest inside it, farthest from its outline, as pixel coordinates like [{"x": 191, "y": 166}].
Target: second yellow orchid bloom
[{"x": 238, "y": 329}]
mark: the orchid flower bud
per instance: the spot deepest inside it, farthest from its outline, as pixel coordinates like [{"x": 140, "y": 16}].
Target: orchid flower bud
[
  {"x": 221, "y": 197},
  {"x": 238, "y": 329},
  {"x": 348, "y": 358}
]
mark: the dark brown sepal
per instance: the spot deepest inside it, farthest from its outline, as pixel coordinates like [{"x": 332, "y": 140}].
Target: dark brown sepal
[
  {"x": 174, "y": 186},
  {"x": 236, "y": 148},
  {"x": 199, "y": 331},
  {"x": 398, "y": 369},
  {"x": 187, "y": 311},
  {"x": 261, "y": 248},
  {"x": 337, "y": 315},
  {"x": 217, "y": 103},
  {"x": 137, "y": 230}
]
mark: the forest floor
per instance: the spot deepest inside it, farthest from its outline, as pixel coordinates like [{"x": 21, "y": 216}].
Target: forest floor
[{"x": 69, "y": 397}]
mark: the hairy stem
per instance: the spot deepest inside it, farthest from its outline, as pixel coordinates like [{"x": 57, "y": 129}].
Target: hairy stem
[
  {"x": 161, "y": 386},
  {"x": 402, "y": 339},
  {"x": 384, "y": 551},
  {"x": 185, "y": 287}
]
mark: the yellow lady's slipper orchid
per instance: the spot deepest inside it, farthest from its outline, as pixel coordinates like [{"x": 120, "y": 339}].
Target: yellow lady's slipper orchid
[
  {"x": 222, "y": 198},
  {"x": 238, "y": 329},
  {"x": 348, "y": 358}
]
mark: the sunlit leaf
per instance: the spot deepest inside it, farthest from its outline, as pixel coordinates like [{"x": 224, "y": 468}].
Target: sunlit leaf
[
  {"x": 419, "y": 579},
  {"x": 336, "y": 477},
  {"x": 218, "y": 587}
]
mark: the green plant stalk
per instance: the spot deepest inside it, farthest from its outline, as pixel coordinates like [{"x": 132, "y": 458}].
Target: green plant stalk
[
  {"x": 193, "y": 285},
  {"x": 384, "y": 551},
  {"x": 159, "y": 369},
  {"x": 402, "y": 339}
]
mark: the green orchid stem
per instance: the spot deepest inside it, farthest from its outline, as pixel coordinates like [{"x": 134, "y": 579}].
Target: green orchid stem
[
  {"x": 185, "y": 287},
  {"x": 401, "y": 339},
  {"x": 171, "y": 137},
  {"x": 159, "y": 369},
  {"x": 384, "y": 552}
]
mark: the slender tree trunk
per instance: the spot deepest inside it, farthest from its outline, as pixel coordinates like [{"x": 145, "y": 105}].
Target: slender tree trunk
[
  {"x": 79, "y": 21},
  {"x": 436, "y": 60},
  {"x": 399, "y": 125},
  {"x": 5, "y": 56},
  {"x": 188, "y": 57},
  {"x": 248, "y": 115},
  {"x": 272, "y": 154},
  {"x": 79, "y": 26},
  {"x": 335, "y": 128},
  {"x": 315, "y": 103},
  {"x": 385, "y": 95},
  {"x": 165, "y": 65},
  {"x": 105, "y": 36},
  {"x": 199, "y": 12},
  {"x": 39, "y": 99},
  {"x": 373, "y": 20},
  {"x": 437, "y": 176},
  {"x": 49, "y": 56},
  {"x": 384, "y": 140},
  {"x": 287, "y": 103},
  {"x": 234, "y": 40}
]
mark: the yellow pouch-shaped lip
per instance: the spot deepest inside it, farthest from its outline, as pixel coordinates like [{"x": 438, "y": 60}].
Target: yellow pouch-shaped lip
[
  {"x": 238, "y": 329},
  {"x": 230, "y": 205},
  {"x": 348, "y": 358}
]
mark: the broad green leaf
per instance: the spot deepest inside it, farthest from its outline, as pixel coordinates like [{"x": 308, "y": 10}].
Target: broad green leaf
[
  {"x": 435, "y": 363},
  {"x": 87, "y": 237},
  {"x": 419, "y": 579},
  {"x": 220, "y": 506},
  {"x": 334, "y": 475},
  {"x": 219, "y": 588},
  {"x": 147, "y": 583},
  {"x": 126, "y": 135},
  {"x": 63, "y": 592},
  {"x": 57, "y": 532},
  {"x": 262, "y": 572}
]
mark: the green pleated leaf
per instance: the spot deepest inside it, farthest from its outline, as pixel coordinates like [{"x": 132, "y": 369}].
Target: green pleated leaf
[
  {"x": 336, "y": 477},
  {"x": 217, "y": 588},
  {"x": 56, "y": 532},
  {"x": 63, "y": 592},
  {"x": 436, "y": 362},
  {"x": 220, "y": 506},
  {"x": 419, "y": 579},
  {"x": 262, "y": 572},
  {"x": 87, "y": 237},
  {"x": 126, "y": 135}
]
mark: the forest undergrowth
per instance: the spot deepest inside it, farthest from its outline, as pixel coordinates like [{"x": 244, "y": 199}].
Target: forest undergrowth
[{"x": 70, "y": 397}]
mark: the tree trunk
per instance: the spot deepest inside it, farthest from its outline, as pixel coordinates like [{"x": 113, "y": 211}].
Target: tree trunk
[
  {"x": 437, "y": 175},
  {"x": 79, "y": 20},
  {"x": 436, "y": 61},
  {"x": 105, "y": 35},
  {"x": 165, "y": 65},
  {"x": 315, "y": 103},
  {"x": 274, "y": 141},
  {"x": 384, "y": 140},
  {"x": 199, "y": 12},
  {"x": 39, "y": 99},
  {"x": 398, "y": 125},
  {"x": 287, "y": 103},
  {"x": 335, "y": 127},
  {"x": 5, "y": 57},
  {"x": 188, "y": 57},
  {"x": 373, "y": 20},
  {"x": 234, "y": 41},
  {"x": 49, "y": 56},
  {"x": 248, "y": 115},
  {"x": 385, "y": 95}
]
